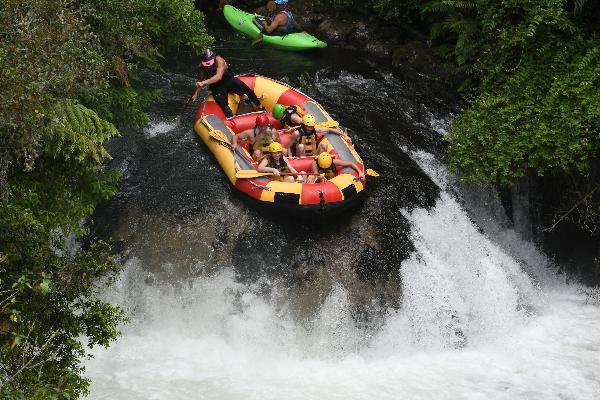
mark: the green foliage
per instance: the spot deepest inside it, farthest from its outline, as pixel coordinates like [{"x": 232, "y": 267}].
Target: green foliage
[
  {"x": 532, "y": 89},
  {"x": 123, "y": 105},
  {"x": 141, "y": 29},
  {"x": 64, "y": 84},
  {"x": 41, "y": 60},
  {"x": 539, "y": 102},
  {"x": 80, "y": 132},
  {"x": 307, "y": 83},
  {"x": 384, "y": 10},
  {"x": 546, "y": 119},
  {"x": 537, "y": 108},
  {"x": 456, "y": 25}
]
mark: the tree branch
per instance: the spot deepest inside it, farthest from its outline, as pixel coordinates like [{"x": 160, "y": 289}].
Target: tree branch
[{"x": 572, "y": 209}]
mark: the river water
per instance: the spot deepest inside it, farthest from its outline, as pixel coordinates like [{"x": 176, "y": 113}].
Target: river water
[{"x": 423, "y": 292}]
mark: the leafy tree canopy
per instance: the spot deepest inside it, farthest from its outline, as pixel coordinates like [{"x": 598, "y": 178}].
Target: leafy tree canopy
[
  {"x": 65, "y": 68},
  {"x": 532, "y": 88}
]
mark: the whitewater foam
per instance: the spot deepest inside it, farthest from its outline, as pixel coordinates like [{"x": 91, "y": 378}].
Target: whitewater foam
[{"x": 474, "y": 322}]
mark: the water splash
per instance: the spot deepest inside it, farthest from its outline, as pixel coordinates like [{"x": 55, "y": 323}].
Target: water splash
[
  {"x": 159, "y": 128},
  {"x": 464, "y": 330},
  {"x": 481, "y": 314}
]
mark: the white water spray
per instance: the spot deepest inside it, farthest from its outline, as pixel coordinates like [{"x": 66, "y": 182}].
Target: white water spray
[{"x": 474, "y": 323}]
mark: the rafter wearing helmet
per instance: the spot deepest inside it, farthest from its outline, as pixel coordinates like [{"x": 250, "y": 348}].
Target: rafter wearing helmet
[
  {"x": 214, "y": 73},
  {"x": 259, "y": 137},
  {"x": 288, "y": 116},
  {"x": 275, "y": 163},
  {"x": 282, "y": 22}
]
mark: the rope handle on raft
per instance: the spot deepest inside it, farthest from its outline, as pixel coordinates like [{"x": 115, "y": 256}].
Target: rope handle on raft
[{"x": 247, "y": 174}]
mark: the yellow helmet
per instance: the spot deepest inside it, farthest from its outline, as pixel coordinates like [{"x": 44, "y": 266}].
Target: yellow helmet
[
  {"x": 324, "y": 160},
  {"x": 309, "y": 120},
  {"x": 275, "y": 147}
]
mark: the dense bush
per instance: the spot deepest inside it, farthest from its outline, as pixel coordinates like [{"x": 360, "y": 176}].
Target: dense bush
[
  {"x": 539, "y": 102},
  {"x": 537, "y": 106},
  {"x": 65, "y": 87},
  {"x": 532, "y": 89}
]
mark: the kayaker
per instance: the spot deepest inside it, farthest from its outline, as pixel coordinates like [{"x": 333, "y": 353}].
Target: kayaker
[
  {"x": 288, "y": 116},
  {"x": 282, "y": 22},
  {"x": 276, "y": 163},
  {"x": 325, "y": 165},
  {"x": 215, "y": 73},
  {"x": 260, "y": 137}
]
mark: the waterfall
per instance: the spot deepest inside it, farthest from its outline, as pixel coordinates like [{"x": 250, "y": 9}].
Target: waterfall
[{"x": 481, "y": 315}]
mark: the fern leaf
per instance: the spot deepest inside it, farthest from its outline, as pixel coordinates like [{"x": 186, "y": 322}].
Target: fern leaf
[{"x": 78, "y": 133}]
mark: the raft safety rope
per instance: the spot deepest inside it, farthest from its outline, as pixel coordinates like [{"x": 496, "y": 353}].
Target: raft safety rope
[{"x": 256, "y": 186}]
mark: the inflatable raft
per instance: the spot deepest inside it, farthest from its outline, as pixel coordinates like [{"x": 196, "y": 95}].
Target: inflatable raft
[
  {"x": 248, "y": 24},
  {"x": 216, "y": 131}
]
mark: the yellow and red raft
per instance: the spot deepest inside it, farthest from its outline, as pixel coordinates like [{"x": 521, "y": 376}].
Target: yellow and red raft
[{"x": 216, "y": 131}]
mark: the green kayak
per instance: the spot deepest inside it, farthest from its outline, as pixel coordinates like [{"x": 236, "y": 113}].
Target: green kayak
[{"x": 245, "y": 23}]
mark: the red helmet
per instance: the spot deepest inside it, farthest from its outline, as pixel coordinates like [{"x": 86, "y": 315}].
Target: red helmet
[{"x": 262, "y": 120}]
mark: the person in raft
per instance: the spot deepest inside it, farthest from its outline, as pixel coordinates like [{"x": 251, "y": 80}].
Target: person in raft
[
  {"x": 215, "y": 73},
  {"x": 305, "y": 137},
  {"x": 275, "y": 163},
  {"x": 288, "y": 116},
  {"x": 260, "y": 137},
  {"x": 282, "y": 22},
  {"x": 325, "y": 168}
]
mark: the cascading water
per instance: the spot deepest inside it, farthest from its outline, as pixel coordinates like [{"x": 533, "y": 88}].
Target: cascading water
[
  {"x": 422, "y": 293},
  {"x": 472, "y": 323}
]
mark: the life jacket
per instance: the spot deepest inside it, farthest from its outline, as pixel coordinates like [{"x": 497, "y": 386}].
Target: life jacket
[
  {"x": 281, "y": 167},
  {"x": 211, "y": 71},
  {"x": 286, "y": 120},
  {"x": 328, "y": 172},
  {"x": 289, "y": 26},
  {"x": 308, "y": 139},
  {"x": 264, "y": 142}
]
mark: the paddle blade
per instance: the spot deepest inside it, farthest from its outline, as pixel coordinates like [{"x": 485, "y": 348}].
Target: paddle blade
[
  {"x": 219, "y": 136},
  {"x": 372, "y": 173},
  {"x": 257, "y": 39},
  {"x": 328, "y": 124},
  {"x": 248, "y": 174}
]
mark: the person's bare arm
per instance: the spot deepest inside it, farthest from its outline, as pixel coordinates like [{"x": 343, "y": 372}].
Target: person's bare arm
[
  {"x": 275, "y": 135},
  {"x": 262, "y": 167},
  {"x": 313, "y": 167},
  {"x": 242, "y": 135},
  {"x": 343, "y": 163},
  {"x": 278, "y": 20},
  {"x": 200, "y": 78},
  {"x": 337, "y": 131}
]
